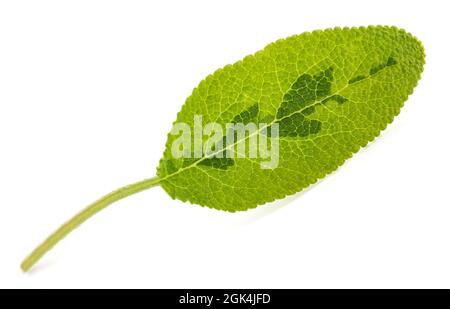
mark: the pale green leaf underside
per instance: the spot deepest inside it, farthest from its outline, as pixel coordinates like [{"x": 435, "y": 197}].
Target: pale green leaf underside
[{"x": 360, "y": 78}]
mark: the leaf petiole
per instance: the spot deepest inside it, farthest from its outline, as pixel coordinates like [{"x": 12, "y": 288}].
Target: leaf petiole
[{"x": 82, "y": 216}]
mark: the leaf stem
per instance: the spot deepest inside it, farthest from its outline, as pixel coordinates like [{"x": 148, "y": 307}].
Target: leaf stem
[{"x": 82, "y": 216}]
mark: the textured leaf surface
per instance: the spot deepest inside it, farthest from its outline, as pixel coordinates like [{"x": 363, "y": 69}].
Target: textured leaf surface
[{"x": 331, "y": 92}]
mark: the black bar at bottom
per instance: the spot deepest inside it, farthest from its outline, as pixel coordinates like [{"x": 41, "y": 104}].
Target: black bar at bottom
[{"x": 211, "y": 298}]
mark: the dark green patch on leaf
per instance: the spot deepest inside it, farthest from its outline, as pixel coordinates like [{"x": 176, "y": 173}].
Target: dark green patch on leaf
[
  {"x": 305, "y": 91},
  {"x": 222, "y": 162},
  {"x": 378, "y": 67},
  {"x": 298, "y": 125},
  {"x": 247, "y": 116},
  {"x": 301, "y": 100},
  {"x": 338, "y": 98},
  {"x": 357, "y": 79}
]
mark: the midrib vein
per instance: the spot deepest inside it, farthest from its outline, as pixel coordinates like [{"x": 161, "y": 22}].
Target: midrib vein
[{"x": 315, "y": 103}]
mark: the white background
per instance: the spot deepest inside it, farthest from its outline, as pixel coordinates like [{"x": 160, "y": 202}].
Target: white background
[{"x": 88, "y": 92}]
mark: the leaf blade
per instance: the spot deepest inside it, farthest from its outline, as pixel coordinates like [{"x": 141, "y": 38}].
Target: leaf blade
[{"x": 374, "y": 69}]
